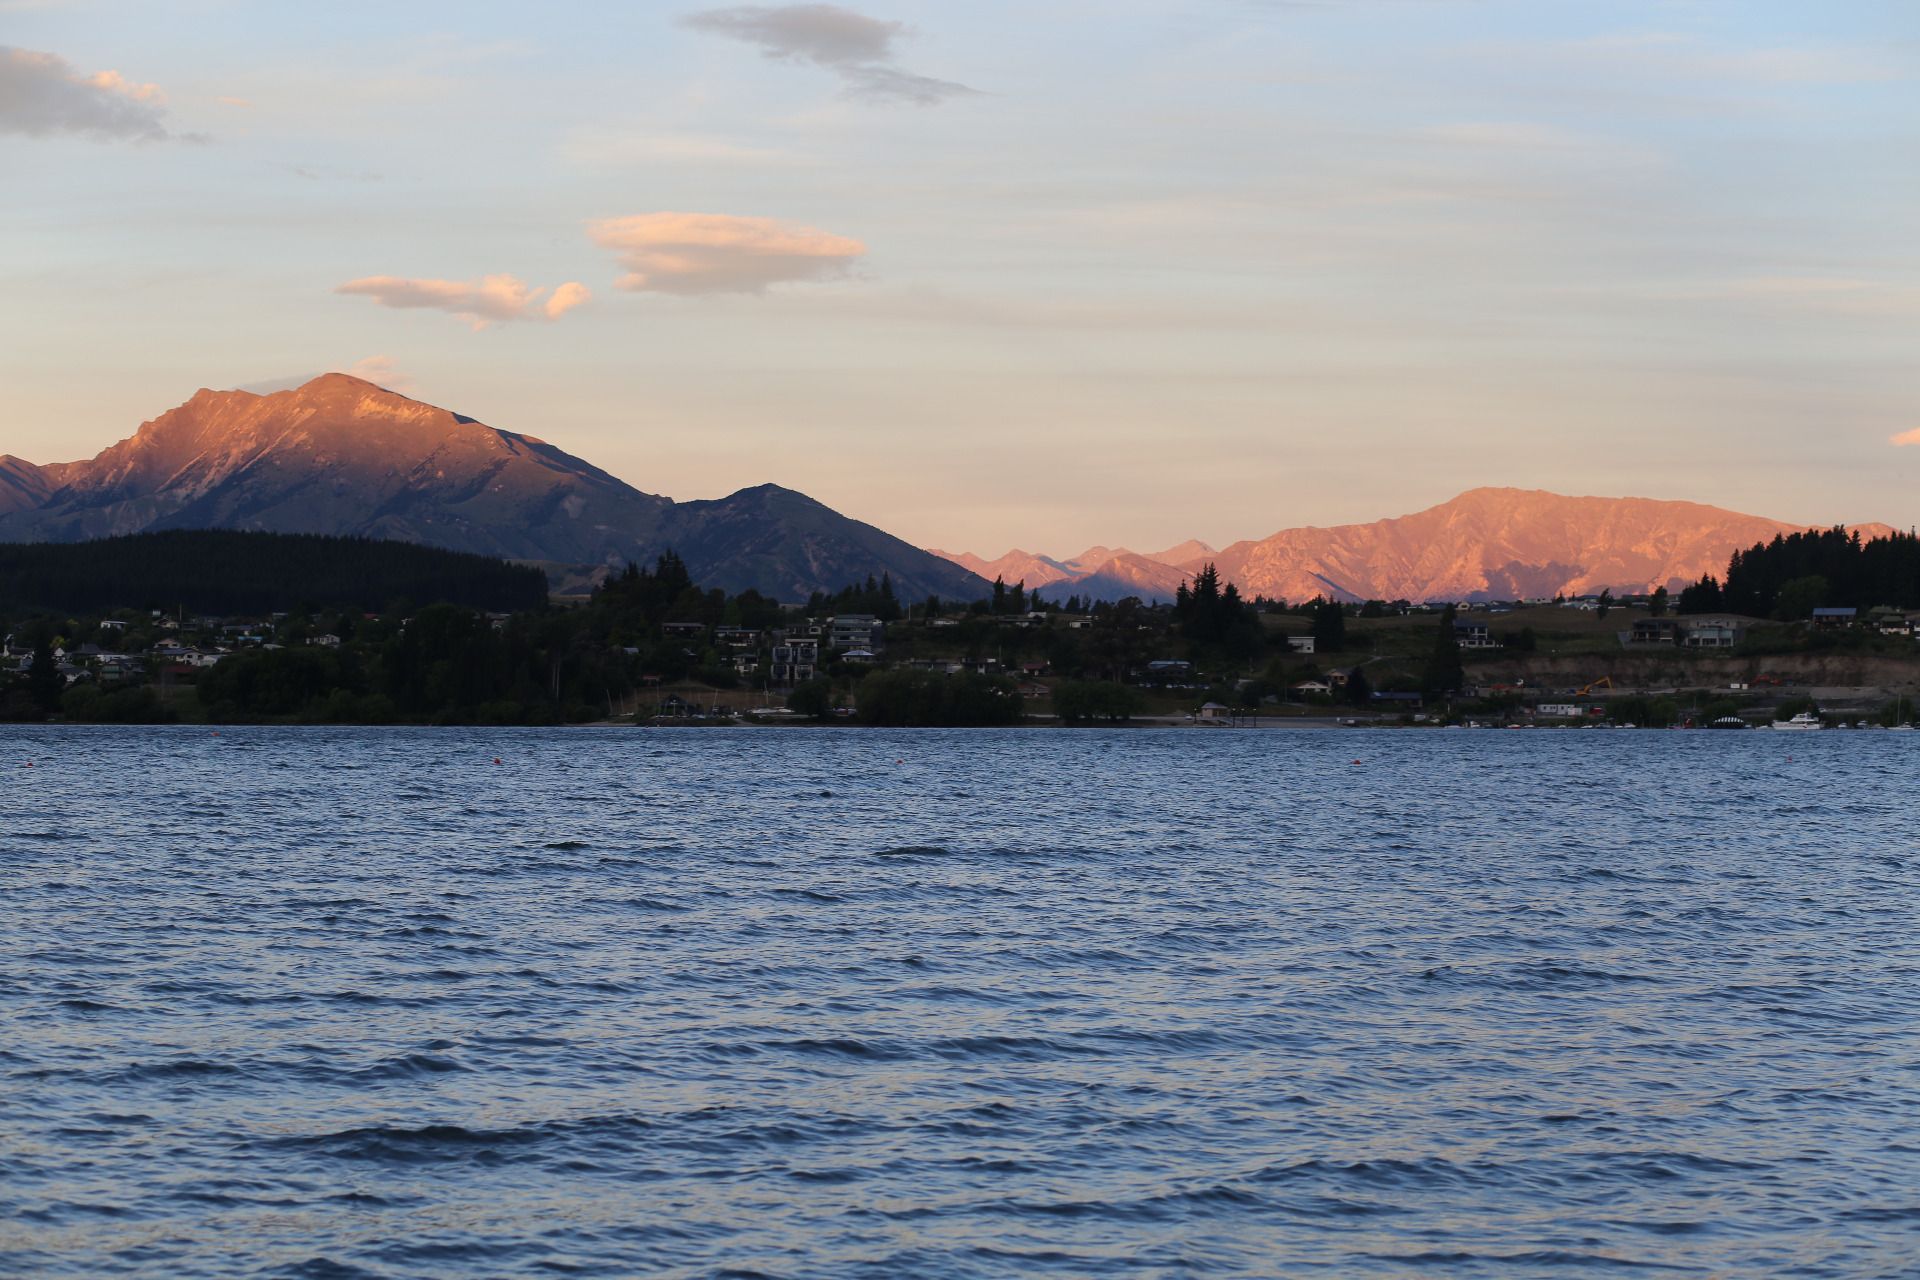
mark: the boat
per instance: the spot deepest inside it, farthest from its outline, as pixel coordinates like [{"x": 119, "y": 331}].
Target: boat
[
  {"x": 1805, "y": 720},
  {"x": 1728, "y": 722}
]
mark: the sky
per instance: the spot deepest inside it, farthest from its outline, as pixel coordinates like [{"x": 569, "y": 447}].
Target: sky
[{"x": 1040, "y": 274}]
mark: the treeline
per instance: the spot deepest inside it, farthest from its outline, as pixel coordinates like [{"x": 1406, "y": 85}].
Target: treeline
[
  {"x": 1797, "y": 573},
  {"x": 220, "y": 571}
]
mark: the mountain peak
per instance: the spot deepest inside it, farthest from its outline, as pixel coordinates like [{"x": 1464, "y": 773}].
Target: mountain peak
[{"x": 342, "y": 455}]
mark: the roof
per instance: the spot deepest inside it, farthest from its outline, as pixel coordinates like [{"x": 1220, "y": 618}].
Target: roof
[{"x": 1835, "y": 613}]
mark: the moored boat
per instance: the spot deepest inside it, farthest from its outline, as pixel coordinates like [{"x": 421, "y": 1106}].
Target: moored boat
[{"x": 1805, "y": 720}]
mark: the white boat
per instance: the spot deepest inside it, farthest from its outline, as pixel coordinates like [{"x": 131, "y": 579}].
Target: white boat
[{"x": 1805, "y": 720}]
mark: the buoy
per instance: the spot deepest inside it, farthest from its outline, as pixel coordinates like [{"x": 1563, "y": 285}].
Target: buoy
[
  {"x": 496, "y": 759},
  {"x": 1356, "y": 762}
]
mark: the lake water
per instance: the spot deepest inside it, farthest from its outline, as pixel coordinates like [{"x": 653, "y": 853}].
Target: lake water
[{"x": 334, "y": 1003}]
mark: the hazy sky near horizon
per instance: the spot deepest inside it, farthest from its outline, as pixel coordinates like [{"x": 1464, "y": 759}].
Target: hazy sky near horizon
[{"x": 1042, "y": 274}]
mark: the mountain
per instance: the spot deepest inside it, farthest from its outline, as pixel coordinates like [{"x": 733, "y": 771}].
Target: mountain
[
  {"x": 1015, "y": 566},
  {"x": 1192, "y": 553},
  {"x": 786, "y": 545},
  {"x": 1486, "y": 544},
  {"x": 1502, "y": 544},
  {"x": 1122, "y": 575},
  {"x": 342, "y": 456}
]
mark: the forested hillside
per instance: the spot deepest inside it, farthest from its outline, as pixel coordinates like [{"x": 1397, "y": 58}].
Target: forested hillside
[{"x": 223, "y": 572}]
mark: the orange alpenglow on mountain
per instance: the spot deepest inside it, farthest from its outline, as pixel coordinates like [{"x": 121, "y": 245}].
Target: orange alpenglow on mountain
[
  {"x": 342, "y": 456},
  {"x": 1497, "y": 544}
]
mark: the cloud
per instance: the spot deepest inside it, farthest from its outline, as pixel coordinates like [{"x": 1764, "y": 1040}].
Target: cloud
[
  {"x": 381, "y": 371},
  {"x": 694, "y": 253},
  {"x": 42, "y": 95},
  {"x": 1905, "y": 438},
  {"x": 566, "y": 298},
  {"x": 492, "y": 298},
  {"x": 858, "y": 49}
]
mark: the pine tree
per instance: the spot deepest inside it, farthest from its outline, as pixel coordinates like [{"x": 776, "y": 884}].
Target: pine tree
[
  {"x": 44, "y": 681},
  {"x": 1444, "y": 673}
]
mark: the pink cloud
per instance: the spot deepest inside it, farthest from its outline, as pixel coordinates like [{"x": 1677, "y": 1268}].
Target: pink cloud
[
  {"x": 694, "y": 253},
  {"x": 490, "y": 299},
  {"x": 1905, "y": 438}
]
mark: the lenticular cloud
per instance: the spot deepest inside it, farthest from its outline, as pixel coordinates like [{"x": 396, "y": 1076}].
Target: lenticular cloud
[
  {"x": 696, "y": 253},
  {"x": 490, "y": 299}
]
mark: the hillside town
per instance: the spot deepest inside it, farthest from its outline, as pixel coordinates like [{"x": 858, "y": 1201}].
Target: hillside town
[{"x": 1590, "y": 660}]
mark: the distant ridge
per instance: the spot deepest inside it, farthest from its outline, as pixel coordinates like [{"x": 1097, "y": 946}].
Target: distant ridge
[
  {"x": 1485, "y": 544},
  {"x": 342, "y": 456}
]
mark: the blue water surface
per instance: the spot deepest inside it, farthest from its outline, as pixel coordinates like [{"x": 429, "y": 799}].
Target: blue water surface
[{"x": 796, "y": 1003}]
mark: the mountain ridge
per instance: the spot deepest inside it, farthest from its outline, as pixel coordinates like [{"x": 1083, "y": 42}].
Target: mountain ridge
[
  {"x": 1486, "y": 543},
  {"x": 340, "y": 455}
]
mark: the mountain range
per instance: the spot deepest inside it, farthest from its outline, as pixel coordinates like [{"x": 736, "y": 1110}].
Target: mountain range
[
  {"x": 340, "y": 455},
  {"x": 1486, "y": 544}
]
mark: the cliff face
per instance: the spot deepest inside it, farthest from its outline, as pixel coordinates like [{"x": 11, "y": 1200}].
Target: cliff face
[
  {"x": 342, "y": 456},
  {"x": 1484, "y": 544}
]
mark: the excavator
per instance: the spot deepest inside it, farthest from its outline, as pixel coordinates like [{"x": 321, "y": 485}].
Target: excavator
[{"x": 1586, "y": 690}]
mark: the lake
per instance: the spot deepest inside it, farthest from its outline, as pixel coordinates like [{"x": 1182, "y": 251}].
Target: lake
[{"x": 796, "y": 1003}]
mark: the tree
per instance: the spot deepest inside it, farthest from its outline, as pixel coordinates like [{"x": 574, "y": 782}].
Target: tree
[
  {"x": 1606, "y": 602},
  {"x": 1358, "y": 690},
  {"x": 1702, "y": 597},
  {"x": 44, "y": 681},
  {"x": 1799, "y": 597},
  {"x": 1078, "y": 701},
  {"x": 1444, "y": 672},
  {"x": 812, "y": 698},
  {"x": 1329, "y": 626},
  {"x": 1658, "y": 604}
]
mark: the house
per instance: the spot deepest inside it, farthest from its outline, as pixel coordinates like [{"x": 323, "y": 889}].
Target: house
[
  {"x": 112, "y": 624},
  {"x": 1834, "y": 619},
  {"x": 1890, "y": 622},
  {"x": 1034, "y": 689},
  {"x": 1560, "y": 710},
  {"x": 1167, "y": 672},
  {"x": 1214, "y": 712},
  {"x": 1654, "y": 631},
  {"x": 684, "y": 630},
  {"x": 855, "y": 631},
  {"x": 1022, "y": 619},
  {"x": 1397, "y": 701},
  {"x": 858, "y": 657},
  {"x": 794, "y": 661},
  {"x": 327, "y": 641},
  {"x": 745, "y": 664},
  {"x": 1031, "y": 669},
  {"x": 1716, "y": 633},
  {"x": 1299, "y": 644},
  {"x": 1473, "y": 635},
  {"x": 1312, "y": 689},
  {"x": 736, "y": 637}
]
